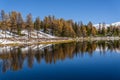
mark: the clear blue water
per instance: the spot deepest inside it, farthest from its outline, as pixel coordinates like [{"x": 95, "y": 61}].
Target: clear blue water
[{"x": 71, "y": 61}]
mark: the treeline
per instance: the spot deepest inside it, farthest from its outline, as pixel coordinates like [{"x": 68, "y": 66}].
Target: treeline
[{"x": 15, "y": 23}]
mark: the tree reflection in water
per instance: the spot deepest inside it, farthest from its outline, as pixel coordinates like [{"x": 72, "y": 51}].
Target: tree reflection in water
[{"x": 14, "y": 58}]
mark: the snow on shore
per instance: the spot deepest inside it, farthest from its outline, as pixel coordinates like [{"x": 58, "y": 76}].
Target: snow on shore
[
  {"x": 34, "y": 34},
  {"x": 13, "y": 38},
  {"x": 43, "y": 37}
]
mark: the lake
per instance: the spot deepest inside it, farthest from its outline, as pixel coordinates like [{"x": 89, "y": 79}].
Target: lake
[{"x": 93, "y": 60}]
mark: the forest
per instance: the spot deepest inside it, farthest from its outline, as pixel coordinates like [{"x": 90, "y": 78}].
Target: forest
[{"x": 14, "y": 22}]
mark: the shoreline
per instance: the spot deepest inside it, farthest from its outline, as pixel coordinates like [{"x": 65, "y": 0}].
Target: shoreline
[
  {"x": 97, "y": 38},
  {"x": 32, "y": 41},
  {"x": 7, "y": 42}
]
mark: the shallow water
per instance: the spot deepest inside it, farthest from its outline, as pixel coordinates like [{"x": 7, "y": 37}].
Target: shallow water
[{"x": 69, "y": 61}]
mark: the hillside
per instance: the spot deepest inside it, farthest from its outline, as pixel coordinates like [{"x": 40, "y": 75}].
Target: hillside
[
  {"x": 25, "y": 33},
  {"x": 14, "y": 38}
]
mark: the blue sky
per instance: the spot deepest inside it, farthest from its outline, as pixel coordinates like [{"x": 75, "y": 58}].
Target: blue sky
[{"x": 79, "y": 10}]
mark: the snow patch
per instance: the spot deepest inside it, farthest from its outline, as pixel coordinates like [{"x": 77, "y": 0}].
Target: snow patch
[{"x": 107, "y": 25}]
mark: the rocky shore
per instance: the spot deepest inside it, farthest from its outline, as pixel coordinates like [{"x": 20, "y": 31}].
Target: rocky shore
[{"x": 19, "y": 41}]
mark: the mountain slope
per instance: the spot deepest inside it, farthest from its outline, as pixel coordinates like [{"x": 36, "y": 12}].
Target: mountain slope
[
  {"x": 97, "y": 25},
  {"x": 116, "y": 24},
  {"x": 107, "y": 25}
]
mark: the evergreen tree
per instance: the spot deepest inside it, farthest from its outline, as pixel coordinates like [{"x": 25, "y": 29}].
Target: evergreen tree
[
  {"x": 19, "y": 23},
  {"x": 89, "y": 29},
  {"x": 76, "y": 29},
  {"x": 29, "y": 24},
  {"x": 37, "y": 25},
  {"x": 99, "y": 29},
  {"x": 103, "y": 30},
  {"x": 46, "y": 25}
]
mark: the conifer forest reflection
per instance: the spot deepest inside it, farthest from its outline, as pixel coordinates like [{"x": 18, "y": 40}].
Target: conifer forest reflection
[{"x": 14, "y": 58}]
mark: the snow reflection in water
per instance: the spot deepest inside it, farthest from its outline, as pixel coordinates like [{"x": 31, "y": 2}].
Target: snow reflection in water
[{"x": 23, "y": 57}]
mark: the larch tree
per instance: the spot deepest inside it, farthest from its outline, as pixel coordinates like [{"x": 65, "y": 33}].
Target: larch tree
[
  {"x": 13, "y": 22},
  {"x": 89, "y": 28},
  {"x": 70, "y": 28},
  {"x": 94, "y": 31},
  {"x": 4, "y": 23},
  {"x": 75, "y": 28}
]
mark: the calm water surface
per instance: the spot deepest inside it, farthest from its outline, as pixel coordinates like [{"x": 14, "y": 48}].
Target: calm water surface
[{"x": 69, "y": 61}]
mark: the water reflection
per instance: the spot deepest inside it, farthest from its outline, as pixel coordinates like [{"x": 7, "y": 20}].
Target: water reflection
[{"x": 13, "y": 58}]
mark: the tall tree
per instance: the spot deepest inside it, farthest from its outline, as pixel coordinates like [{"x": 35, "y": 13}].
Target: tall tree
[
  {"x": 4, "y": 23},
  {"x": 99, "y": 29},
  {"x": 46, "y": 24},
  {"x": 2, "y": 15},
  {"x": 94, "y": 31},
  {"x": 103, "y": 29},
  {"x": 13, "y": 22},
  {"x": 29, "y": 25},
  {"x": 19, "y": 23},
  {"x": 2, "y": 20},
  {"x": 89, "y": 28},
  {"x": 84, "y": 31},
  {"x": 37, "y": 25}
]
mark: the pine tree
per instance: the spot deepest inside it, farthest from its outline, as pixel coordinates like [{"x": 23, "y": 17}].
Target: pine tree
[
  {"x": 76, "y": 29},
  {"x": 89, "y": 29},
  {"x": 29, "y": 25},
  {"x": 103, "y": 29},
  {"x": 80, "y": 27},
  {"x": 46, "y": 24},
  {"x": 19, "y": 23},
  {"x": 37, "y": 25},
  {"x": 3, "y": 20},
  {"x": 117, "y": 31}
]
